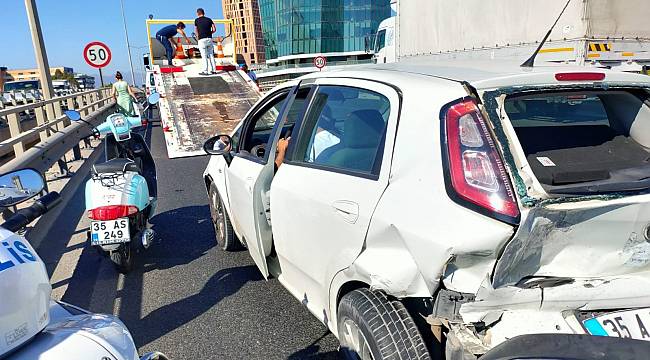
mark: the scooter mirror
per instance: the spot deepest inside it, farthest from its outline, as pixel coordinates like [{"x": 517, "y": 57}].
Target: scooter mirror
[
  {"x": 218, "y": 145},
  {"x": 73, "y": 115},
  {"x": 20, "y": 185},
  {"x": 153, "y": 98}
]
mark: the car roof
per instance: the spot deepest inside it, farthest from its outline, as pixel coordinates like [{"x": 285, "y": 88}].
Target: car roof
[{"x": 481, "y": 74}]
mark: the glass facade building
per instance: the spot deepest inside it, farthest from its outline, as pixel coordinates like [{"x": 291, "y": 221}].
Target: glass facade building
[{"x": 292, "y": 27}]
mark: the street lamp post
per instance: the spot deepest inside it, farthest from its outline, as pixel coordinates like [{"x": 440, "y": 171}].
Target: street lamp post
[
  {"x": 128, "y": 47},
  {"x": 39, "y": 49}
]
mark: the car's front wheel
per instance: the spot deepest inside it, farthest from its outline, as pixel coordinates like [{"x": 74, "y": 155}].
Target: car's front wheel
[
  {"x": 224, "y": 232},
  {"x": 371, "y": 326}
]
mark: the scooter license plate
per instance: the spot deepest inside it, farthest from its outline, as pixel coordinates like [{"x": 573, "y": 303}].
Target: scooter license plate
[{"x": 109, "y": 232}]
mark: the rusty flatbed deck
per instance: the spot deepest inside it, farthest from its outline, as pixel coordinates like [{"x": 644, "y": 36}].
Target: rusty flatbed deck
[{"x": 196, "y": 107}]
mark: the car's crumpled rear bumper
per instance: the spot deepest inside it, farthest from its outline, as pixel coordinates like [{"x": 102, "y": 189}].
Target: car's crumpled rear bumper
[
  {"x": 496, "y": 315},
  {"x": 569, "y": 346}
]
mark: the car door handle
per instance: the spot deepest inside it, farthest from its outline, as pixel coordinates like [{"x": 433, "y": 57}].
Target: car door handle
[
  {"x": 249, "y": 183},
  {"x": 348, "y": 210}
]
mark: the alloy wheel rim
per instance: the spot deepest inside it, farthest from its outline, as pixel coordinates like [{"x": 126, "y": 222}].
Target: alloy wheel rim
[
  {"x": 355, "y": 341},
  {"x": 218, "y": 213}
]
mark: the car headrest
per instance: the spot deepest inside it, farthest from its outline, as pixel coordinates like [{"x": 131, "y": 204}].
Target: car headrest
[{"x": 363, "y": 129}]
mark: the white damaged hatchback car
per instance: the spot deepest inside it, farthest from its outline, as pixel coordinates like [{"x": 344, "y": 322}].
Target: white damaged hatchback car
[{"x": 426, "y": 210}]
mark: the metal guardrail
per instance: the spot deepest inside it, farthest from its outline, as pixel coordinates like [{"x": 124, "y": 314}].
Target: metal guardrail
[{"x": 42, "y": 144}]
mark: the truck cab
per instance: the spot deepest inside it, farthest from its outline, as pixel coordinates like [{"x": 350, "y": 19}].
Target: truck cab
[{"x": 384, "y": 44}]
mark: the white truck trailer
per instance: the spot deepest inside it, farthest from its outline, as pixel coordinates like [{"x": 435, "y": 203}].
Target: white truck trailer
[{"x": 606, "y": 33}]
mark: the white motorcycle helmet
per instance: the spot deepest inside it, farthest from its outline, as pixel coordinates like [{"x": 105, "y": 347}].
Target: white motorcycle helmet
[{"x": 24, "y": 292}]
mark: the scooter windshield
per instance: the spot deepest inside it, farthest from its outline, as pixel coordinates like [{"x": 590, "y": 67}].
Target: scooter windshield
[{"x": 120, "y": 127}]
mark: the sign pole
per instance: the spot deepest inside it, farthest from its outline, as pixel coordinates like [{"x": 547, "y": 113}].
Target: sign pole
[{"x": 101, "y": 77}]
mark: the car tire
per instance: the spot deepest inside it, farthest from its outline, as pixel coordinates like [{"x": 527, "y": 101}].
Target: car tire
[
  {"x": 224, "y": 233},
  {"x": 372, "y": 326}
]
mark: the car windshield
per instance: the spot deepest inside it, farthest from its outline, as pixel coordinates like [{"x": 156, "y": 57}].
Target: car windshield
[
  {"x": 381, "y": 40},
  {"x": 585, "y": 141}
]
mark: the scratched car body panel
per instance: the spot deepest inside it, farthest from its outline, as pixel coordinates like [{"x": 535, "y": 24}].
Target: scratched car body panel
[{"x": 558, "y": 247}]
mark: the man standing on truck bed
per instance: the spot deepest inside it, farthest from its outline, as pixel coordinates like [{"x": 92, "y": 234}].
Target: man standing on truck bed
[
  {"x": 166, "y": 38},
  {"x": 204, "y": 30}
]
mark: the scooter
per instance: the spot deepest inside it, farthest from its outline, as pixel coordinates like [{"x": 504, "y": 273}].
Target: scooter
[
  {"x": 121, "y": 194},
  {"x": 33, "y": 326}
]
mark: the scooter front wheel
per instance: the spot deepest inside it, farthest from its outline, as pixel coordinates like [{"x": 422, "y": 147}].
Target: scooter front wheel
[{"x": 122, "y": 258}]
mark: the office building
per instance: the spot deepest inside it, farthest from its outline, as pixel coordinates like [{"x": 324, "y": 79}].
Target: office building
[
  {"x": 296, "y": 31},
  {"x": 320, "y": 26},
  {"x": 248, "y": 29}
]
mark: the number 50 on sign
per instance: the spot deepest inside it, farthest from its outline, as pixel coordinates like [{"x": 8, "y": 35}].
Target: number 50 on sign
[{"x": 97, "y": 54}]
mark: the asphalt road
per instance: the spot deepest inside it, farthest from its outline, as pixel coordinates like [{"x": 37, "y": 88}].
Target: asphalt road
[{"x": 185, "y": 297}]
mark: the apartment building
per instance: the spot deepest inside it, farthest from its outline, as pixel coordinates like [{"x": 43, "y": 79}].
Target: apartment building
[
  {"x": 248, "y": 29},
  {"x": 33, "y": 74}
]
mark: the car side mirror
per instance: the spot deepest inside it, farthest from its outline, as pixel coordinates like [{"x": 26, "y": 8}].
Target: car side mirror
[
  {"x": 153, "y": 98},
  {"x": 20, "y": 185},
  {"x": 73, "y": 115},
  {"x": 218, "y": 145}
]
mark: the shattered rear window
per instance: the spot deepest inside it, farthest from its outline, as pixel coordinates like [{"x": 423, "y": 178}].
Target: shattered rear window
[
  {"x": 557, "y": 110},
  {"x": 585, "y": 142}
]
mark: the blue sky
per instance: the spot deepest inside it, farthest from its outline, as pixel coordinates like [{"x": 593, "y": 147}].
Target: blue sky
[{"x": 68, "y": 25}]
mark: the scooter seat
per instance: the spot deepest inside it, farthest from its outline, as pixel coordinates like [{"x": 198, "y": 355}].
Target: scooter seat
[{"x": 117, "y": 165}]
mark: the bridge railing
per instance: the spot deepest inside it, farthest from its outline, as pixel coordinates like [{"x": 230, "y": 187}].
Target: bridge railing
[{"x": 39, "y": 134}]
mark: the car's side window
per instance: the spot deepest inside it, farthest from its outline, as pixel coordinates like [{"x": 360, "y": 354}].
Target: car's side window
[
  {"x": 256, "y": 134},
  {"x": 344, "y": 129}
]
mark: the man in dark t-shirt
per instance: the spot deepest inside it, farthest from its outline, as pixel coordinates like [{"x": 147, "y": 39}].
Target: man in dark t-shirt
[
  {"x": 204, "y": 30},
  {"x": 166, "y": 38}
]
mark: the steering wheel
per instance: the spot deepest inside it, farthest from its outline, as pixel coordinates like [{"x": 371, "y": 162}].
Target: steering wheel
[{"x": 259, "y": 150}]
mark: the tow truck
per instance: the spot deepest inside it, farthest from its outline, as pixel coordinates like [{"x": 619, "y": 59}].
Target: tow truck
[{"x": 195, "y": 107}]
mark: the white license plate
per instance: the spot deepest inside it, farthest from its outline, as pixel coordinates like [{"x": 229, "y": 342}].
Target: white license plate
[
  {"x": 634, "y": 324},
  {"x": 109, "y": 232}
]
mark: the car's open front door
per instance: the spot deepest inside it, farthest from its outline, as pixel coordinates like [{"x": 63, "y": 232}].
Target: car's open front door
[{"x": 261, "y": 190}]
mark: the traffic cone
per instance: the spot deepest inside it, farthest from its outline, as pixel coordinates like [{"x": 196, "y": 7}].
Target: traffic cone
[
  {"x": 180, "y": 54},
  {"x": 220, "y": 54}
]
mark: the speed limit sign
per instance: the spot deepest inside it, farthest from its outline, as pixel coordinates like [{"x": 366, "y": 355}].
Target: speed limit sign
[
  {"x": 97, "y": 54},
  {"x": 320, "y": 62}
]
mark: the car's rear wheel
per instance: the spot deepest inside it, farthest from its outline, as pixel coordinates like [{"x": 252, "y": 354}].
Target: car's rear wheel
[
  {"x": 371, "y": 326},
  {"x": 224, "y": 232}
]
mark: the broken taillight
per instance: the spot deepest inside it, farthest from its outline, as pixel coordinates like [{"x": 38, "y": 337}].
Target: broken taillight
[
  {"x": 476, "y": 171},
  {"x": 112, "y": 212}
]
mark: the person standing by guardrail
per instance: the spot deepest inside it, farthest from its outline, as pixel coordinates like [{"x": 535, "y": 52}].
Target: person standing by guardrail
[
  {"x": 166, "y": 38},
  {"x": 204, "y": 29},
  {"x": 251, "y": 74},
  {"x": 124, "y": 96}
]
